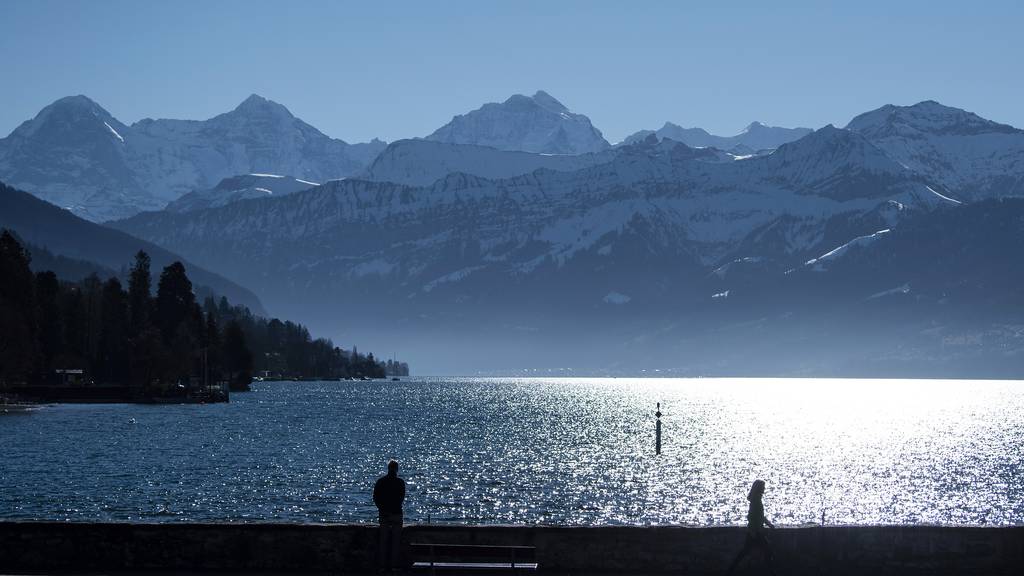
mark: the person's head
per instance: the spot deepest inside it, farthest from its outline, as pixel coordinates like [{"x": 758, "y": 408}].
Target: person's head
[
  {"x": 393, "y": 467},
  {"x": 756, "y": 490}
]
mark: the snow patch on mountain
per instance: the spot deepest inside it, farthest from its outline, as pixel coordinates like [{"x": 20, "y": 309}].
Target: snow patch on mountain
[
  {"x": 237, "y": 188},
  {"x": 616, "y": 298},
  {"x": 903, "y": 289},
  {"x": 946, "y": 198},
  {"x": 818, "y": 263},
  {"x": 455, "y": 276},
  {"x": 375, "y": 267},
  {"x": 723, "y": 270},
  {"x": 114, "y": 132}
]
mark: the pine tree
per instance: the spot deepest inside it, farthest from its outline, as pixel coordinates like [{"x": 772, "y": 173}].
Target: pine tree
[
  {"x": 17, "y": 311},
  {"x": 214, "y": 348},
  {"x": 175, "y": 301},
  {"x": 140, "y": 293},
  {"x": 51, "y": 328},
  {"x": 112, "y": 366},
  {"x": 237, "y": 357}
]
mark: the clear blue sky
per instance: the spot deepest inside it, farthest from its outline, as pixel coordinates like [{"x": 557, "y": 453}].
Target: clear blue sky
[{"x": 401, "y": 69}]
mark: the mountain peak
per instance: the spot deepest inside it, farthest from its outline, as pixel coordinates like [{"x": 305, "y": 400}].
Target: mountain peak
[
  {"x": 925, "y": 117},
  {"x": 753, "y": 126},
  {"x": 548, "y": 102},
  {"x": 256, "y": 104},
  {"x": 64, "y": 114},
  {"x": 76, "y": 101},
  {"x": 74, "y": 105},
  {"x": 832, "y": 145},
  {"x": 828, "y": 135},
  {"x": 538, "y": 123}
]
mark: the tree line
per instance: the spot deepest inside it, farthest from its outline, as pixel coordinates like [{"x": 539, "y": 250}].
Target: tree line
[{"x": 156, "y": 342}]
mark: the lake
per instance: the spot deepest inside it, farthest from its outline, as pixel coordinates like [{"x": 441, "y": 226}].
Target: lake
[{"x": 529, "y": 450}]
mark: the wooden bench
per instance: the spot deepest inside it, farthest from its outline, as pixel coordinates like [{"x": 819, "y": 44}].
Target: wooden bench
[{"x": 472, "y": 558}]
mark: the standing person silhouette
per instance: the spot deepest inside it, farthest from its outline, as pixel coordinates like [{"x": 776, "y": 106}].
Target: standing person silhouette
[
  {"x": 388, "y": 495},
  {"x": 756, "y": 521}
]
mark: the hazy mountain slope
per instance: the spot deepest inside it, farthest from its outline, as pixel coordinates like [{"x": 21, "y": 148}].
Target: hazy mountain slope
[
  {"x": 422, "y": 162},
  {"x": 754, "y": 137},
  {"x": 960, "y": 153},
  {"x": 62, "y": 233},
  {"x": 537, "y": 123},
  {"x": 938, "y": 296},
  {"x": 616, "y": 247},
  {"x": 76, "y": 155},
  {"x": 70, "y": 269}
]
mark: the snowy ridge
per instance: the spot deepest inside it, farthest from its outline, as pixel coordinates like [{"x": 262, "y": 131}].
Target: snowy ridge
[
  {"x": 958, "y": 152},
  {"x": 838, "y": 252},
  {"x": 237, "y": 188}
]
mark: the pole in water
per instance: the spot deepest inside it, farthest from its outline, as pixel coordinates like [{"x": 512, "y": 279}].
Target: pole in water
[{"x": 657, "y": 430}]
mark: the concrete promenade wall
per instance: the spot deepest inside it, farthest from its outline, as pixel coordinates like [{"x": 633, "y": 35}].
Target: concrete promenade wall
[{"x": 874, "y": 550}]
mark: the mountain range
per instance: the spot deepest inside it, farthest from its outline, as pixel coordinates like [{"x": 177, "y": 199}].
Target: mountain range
[
  {"x": 518, "y": 233},
  {"x": 755, "y": 137},
  {"x": 76, "y": 155}
]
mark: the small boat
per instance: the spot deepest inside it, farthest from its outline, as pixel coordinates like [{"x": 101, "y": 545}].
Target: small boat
[{"x": 396, "y": 379}]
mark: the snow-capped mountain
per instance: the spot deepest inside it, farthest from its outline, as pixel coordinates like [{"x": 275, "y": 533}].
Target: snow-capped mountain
[
  {"x": 755, "y": 137},
  {"x": 238, "y": 188},
  {"x": 960, "y": 153},
  {"x": 550, "y": 249},
  {"x": 655, "y": 248},
  {"x": 76, "y": 155},
  {"x": 537, "y": 123},
  {"x": 422, "y": 162}
]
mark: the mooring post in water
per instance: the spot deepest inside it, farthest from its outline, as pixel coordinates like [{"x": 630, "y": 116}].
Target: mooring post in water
[{"x": 657, "y": 430}]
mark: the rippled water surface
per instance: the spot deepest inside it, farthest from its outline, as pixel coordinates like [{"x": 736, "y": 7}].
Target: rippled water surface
[{"x": 522, "y": 451}]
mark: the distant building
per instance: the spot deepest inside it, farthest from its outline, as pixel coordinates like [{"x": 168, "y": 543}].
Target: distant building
[{"x": 70, "y": 376}]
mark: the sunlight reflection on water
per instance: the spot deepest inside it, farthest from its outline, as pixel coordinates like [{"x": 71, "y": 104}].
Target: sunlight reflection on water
[{"x": 521, "y": 451}]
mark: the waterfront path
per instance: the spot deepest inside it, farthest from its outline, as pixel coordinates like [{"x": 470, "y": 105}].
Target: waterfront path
[{"x": 263, "y": 548}]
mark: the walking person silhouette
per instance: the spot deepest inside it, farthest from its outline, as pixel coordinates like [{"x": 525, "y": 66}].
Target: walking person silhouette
[
  {"x": 388, "y": 495},
  {"x": 756, "y": 537}
]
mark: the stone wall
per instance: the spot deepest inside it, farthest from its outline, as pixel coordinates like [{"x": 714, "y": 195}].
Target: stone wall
[{"x": 874, "y": 550}]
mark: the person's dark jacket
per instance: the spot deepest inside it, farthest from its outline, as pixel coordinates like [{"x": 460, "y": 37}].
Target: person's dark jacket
[
  {"x": 388, "y": 494},
  {"x": 755, "y": 514}
]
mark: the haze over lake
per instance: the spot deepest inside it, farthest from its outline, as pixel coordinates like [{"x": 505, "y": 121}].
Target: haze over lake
[{"x": 526, "y": 450}]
